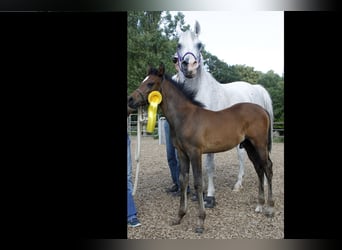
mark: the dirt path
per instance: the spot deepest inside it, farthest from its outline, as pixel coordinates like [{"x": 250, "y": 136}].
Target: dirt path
[{"x": 232, "y": 218}]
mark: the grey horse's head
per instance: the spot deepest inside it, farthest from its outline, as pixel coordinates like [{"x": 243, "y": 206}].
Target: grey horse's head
[{"x": 189, "y": 51}]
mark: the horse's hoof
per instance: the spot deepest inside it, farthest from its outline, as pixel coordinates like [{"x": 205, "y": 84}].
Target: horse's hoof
[
  {"x": 269, "y": 215},
  {"x": 269, "y": 212},
  {"x": 210, "y": 202},
  {"x": 194, "y": 197},
  {"x": 199, "y": 230},
  {"x": 175, "y": 222},
  {"x": 258, "y": 209}
]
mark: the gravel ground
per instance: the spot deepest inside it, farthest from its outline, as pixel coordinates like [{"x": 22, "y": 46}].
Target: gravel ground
[{"x": 232, "y": 218}]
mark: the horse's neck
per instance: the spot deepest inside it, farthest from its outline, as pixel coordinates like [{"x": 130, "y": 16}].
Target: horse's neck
[
  {"x": 173, "y": 101},
  {"x": 217, "y": 96},
  {"x": 205, "y": 88}
]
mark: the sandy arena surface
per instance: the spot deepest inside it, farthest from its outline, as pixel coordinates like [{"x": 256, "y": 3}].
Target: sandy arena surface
[{"x": 232, "y": 218}]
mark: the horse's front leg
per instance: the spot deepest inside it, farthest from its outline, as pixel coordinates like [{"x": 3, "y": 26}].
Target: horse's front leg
[
  {"x": 241, "y": 155},
  {"x": 210, "y": 169},
  {"x": 196, "y": 163},
  {"x": 184, "y": 165}
]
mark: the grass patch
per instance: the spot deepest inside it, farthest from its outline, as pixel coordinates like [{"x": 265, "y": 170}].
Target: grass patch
[{"x": 278, "y": 139}]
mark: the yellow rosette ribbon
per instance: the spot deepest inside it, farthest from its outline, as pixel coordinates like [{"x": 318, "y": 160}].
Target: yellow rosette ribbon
[{"x": 154, "y": 98}]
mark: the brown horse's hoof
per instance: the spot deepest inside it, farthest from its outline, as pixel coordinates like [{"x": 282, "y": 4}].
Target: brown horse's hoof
[
  {"x": 194, "y": 197},
  {"x": 199, "y": 230},
  {"x": 175, "y": 222}
]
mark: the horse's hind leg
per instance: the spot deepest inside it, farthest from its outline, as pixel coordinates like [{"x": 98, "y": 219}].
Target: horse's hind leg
[
  {"x": 261, "y": 196},
  {"x": 269, "y": 174},
  {"x": 254, "y": 156},
  {"x": 241, "y": 155}
]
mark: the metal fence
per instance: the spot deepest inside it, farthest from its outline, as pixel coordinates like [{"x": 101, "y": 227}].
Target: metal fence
[
  {"x": 278, "y": 130},
  {"x": 132, "y": 124}
]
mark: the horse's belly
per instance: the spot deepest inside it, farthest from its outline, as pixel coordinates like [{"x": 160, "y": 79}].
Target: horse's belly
[{"x": 219, "y": 146}]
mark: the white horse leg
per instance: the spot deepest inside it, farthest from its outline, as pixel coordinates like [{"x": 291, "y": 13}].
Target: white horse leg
[
  {"x": 265, "y": 180},
  {"x": 241, "y": 155},
  {"x": 210, "y": 173}
]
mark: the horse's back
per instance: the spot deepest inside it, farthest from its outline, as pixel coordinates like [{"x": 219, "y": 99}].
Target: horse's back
[
  {"x": 248, "y": 110},
  {"x": 264, "y": 99},
  {"x": 241, "y": 91}
]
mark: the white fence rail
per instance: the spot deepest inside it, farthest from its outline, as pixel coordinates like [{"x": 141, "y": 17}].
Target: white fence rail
[{"x": 132, "y": 124}]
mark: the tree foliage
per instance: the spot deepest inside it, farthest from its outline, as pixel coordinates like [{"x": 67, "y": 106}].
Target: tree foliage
[{"x": 152, "y": 39}]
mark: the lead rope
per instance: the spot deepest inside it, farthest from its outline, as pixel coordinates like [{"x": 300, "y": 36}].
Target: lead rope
[{"x": 140, "y": 120}]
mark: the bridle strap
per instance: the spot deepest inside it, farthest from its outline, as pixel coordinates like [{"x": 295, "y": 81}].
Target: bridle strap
[
  {"x": 181, "y": 58},
  {"x": 142, "y": 97}
]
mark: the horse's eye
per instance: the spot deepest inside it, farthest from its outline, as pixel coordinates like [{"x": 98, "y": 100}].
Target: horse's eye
[
  {"x": 150, "y": 84},
  {"x": 199, "y": 46},
  {"x": 179, "y": 46}
]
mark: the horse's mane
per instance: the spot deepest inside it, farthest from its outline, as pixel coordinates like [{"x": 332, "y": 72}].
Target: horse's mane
[{"x": 188, "y": 93}]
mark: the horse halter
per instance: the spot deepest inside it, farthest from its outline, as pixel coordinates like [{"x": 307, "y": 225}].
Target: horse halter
[
  {"x": 142, "y": 97},
  {"x": 145, "y": 99},
  {"x": 181, "y": 58}
]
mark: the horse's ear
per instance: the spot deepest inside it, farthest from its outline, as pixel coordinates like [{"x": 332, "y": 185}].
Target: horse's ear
[
  {"x": 161, "y": 70},
  {"x": 148, "y": 69},
  {"x": 178, "y": 30},
  {"x": 197, "y": 28}
]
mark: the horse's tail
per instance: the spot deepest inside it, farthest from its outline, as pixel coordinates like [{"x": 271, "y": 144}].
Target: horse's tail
[{"x": 267, "y": 104}]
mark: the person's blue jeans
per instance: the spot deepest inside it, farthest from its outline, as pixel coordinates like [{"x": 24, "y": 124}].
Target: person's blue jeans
[
  {"x": 171, "y": 154},
  {"x": 131, "y": 209}
]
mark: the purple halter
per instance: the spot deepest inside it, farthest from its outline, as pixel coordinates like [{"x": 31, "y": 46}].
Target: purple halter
[{"x": 181, "y": 58}]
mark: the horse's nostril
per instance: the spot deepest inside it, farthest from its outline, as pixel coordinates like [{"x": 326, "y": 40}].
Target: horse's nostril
[
  {"x": 129, "y": 100},
  {"x": 184, "y": 65}
]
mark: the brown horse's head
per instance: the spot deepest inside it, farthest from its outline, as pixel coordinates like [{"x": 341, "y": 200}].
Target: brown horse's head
[{"x": 150, "y": 83}]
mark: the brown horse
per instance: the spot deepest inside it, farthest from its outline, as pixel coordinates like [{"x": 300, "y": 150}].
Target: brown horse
[{"x": 196, "y": 131}]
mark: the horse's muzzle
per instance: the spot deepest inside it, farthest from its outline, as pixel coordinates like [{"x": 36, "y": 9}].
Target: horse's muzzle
[
  {"x": 188, "y": 74},
  {"x": 185, "y": 70},
  {"x": 131, "y": 103}
]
